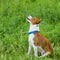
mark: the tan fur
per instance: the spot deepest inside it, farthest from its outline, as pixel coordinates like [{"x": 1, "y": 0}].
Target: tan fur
[
  {"x": 40, "y": 40},
  {"x": 35, "y": 20}
]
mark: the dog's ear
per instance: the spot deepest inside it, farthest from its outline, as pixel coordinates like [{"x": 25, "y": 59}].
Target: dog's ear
[
  {"x": 35, "y": 20},
  {"x": 38, "y": 20}
]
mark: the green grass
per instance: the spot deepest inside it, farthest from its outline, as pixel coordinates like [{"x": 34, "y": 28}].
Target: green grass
[{"x": 14, "y": 28}]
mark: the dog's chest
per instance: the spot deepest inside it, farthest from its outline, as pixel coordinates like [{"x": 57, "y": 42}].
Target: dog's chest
[{"x": 31, "y": 36}]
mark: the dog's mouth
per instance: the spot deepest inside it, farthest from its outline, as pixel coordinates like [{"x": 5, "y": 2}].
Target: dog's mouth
[{"x": 27, "y": 18}]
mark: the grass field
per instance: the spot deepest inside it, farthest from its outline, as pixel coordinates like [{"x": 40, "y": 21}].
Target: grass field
[{"x": 14, "y": 27}]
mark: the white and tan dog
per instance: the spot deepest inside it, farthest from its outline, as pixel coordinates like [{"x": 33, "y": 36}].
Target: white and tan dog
[{"x": 37, "y": 40}]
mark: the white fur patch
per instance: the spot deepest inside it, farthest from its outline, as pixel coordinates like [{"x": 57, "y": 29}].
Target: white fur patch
[{"x": 30, "y": 17}]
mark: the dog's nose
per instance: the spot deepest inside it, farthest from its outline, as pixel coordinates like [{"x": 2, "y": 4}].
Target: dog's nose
[{"x": 27, "y": 16}]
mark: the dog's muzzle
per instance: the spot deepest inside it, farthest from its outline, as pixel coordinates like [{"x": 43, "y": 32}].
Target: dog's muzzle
[{"x": 27, "y": 18}]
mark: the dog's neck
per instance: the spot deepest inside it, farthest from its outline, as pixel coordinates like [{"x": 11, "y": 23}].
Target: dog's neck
[{"x": 34, "y": 27}]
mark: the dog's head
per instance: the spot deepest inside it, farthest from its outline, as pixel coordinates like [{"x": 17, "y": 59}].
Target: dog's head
[{"x": 33, "y": 20}]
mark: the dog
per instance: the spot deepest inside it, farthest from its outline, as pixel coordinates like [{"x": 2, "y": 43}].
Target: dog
[{"x": 36, "y": 40}]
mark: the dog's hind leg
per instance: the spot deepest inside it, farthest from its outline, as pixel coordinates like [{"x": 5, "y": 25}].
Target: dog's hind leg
[
  {"x": 45, "y": 54},
  {"x": 41, "y": 50},
  {"x": 35, "y": 51}
]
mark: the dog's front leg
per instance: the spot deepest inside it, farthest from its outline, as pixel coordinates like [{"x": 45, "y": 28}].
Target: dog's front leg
[{"x": 29, "y": 49}]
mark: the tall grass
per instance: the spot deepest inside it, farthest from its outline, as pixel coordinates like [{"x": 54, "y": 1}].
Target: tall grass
[{"x": 14, "y": 28}]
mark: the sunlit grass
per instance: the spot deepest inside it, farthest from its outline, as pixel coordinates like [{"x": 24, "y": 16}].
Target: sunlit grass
[{"x": 14, "y": 27}]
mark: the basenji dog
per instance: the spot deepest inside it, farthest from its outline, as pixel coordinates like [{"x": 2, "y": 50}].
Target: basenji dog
[{"x": 36, "y": 40}]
